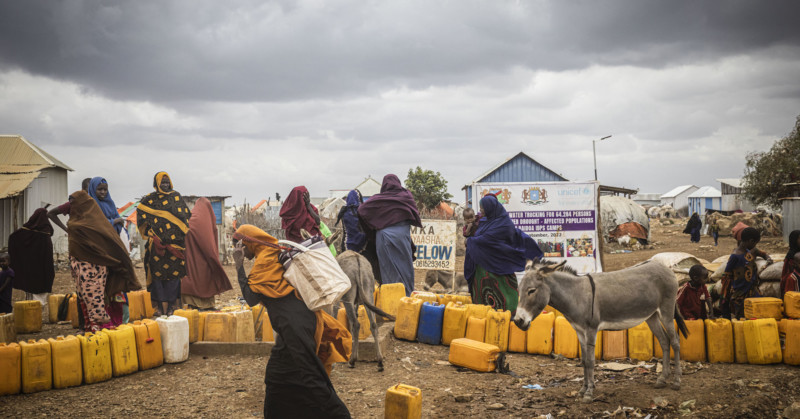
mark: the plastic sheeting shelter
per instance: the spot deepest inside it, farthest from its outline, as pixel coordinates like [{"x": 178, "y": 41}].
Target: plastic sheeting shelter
[{"x": 620, "y": 216}]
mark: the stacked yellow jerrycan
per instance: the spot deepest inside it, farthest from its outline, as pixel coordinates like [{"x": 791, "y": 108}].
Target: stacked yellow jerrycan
[
  {"x": 517, "y": 339},
  {"x": 791, "y": 304},
  {"x": 136, "y": 306},
  {"x": 389, "y": 297},
  {"x": 67, "y": 364},
  {"x": 425, "y": 296},
  {"x": 615, "y": 344},
  {"x": 719, "y": 340},
  {"x": 477, "y": 310},
  {"x": 762, "y": 341},
  {"x": 791, "y": 346},
  {"x": 405, "y": 327},
  {"x": 53, "y": 302},
  {"x": 739, "y": 343},
  {"x": 763, "y": 308},
  {"x": 8, "y": 331},
  {"x": 193, "y": 316},
  {"x": 640, "y": 342},
  {"x": 244, "y": 329},
  {"x": 202, "y": 327},
  {"x": 28, "y": 316},
  {"x": 96, "y": 356},
  {"x": 10, "y": 369},
  {"x": 693, "y": 348},
  {"x": 37, "y": 367},
  {"x": 540, "y": 334},
  {"x": 454, "y": 323},
  {"x": 478, "y": 356},
  {"x": 403, "y": 402},
  {"x": 565, "y": 339},
  {"x": 497, "y": 328},
  {"x": 73, "y": 311},
  {"x": 124, "y": 359},
  {"x": 476, "y": 329},
  {"x": 219, "y": 327},
  {"x": 148, "y": 344}
]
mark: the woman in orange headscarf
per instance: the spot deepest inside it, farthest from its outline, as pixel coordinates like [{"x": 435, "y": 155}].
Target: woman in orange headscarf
[{"x": 307, "y": 343}]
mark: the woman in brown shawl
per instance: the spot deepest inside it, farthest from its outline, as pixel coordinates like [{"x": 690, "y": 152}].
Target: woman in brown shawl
[
  {"x": 31, "y": 252},
  {"x": 162, "y": 217},
  {"x": 307, "y": 342},
  {"x": 100, "y": 263},
  {"x": 205, "y": 276}
]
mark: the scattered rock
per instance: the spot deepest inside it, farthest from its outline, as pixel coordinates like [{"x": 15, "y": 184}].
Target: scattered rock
[
  {"x": 463, "y": 398},
  {"x": 793, "y": 411},
  {"x": 496, "y": 406},
  {"x": 660, "y": 401},
  {"x": 739, "y": 383}
]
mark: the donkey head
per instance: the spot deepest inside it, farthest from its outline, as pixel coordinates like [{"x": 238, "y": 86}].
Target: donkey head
[
  {"x": 534, "y": 293},
  {"x": 328, "y": 240}
]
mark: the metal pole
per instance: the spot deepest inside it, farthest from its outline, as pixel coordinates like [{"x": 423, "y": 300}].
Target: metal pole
[{"x": 594, "y": 154}]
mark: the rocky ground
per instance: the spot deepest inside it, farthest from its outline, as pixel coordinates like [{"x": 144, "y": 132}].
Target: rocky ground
[{"x": 232, "y": 386}]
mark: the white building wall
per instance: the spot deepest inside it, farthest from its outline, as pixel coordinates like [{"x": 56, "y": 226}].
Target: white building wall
[{"x": 50, "y": 187}]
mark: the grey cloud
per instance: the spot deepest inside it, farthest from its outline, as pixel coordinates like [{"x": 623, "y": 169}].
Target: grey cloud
[{"x": 249, "y": 50}]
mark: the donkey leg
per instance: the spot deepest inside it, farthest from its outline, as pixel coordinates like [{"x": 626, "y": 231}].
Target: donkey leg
[
  {"x": 676, "y": 346},
  {"x": 352, "y": 319},
  {"x": 664, "y": 341},
  {"x": 373, "y": 327},
  {"x": 587, "y": 339}
]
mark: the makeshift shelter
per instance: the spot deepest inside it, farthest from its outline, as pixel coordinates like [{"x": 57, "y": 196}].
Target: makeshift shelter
[
  {"x": 620, "y": 216},
  {"x": 29, "y": 179}
]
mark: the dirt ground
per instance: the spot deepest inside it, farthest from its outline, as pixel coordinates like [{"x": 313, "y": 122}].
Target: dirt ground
[{"x": 232, "y": 386}]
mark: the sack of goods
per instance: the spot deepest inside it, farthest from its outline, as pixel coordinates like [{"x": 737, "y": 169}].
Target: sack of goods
[{"x": 314, "y": 273}]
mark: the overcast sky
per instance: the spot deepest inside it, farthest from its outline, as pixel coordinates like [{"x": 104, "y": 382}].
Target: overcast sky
[{"x": 249, "y": 98}]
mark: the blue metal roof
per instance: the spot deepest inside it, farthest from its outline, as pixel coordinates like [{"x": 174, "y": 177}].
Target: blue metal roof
[{"x": 520, "y": 168}]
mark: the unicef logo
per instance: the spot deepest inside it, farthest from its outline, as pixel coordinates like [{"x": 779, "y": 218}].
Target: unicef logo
[{"x": 586, "y": 191}]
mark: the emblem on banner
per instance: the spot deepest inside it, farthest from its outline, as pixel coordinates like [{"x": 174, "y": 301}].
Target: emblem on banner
[
  {"x": 503, "y": 195},
  {"x": 534, "y": 196}
]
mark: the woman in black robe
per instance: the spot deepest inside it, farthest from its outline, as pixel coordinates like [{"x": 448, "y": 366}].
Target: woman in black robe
[{"x": 31, "y": 251}]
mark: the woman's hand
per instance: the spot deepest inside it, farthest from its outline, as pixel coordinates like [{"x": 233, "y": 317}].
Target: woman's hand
[
  {"x": 118, "y": 221},
  {"x": 238, "y": 255}
]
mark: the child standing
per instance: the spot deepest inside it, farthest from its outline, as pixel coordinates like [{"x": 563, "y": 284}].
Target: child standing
[
  {"x": 6, "y": 276},
  {"x": 740, "y": 279},
  {"x": 694, "y": 301},
  {"x": 714, "y": 230}
]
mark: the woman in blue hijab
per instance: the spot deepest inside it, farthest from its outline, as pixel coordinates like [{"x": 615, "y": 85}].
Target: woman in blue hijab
[
  {"x": 98, "y": 189},
  {"x": 354, "y": 238},
  {"x": 494, "y": 253}
]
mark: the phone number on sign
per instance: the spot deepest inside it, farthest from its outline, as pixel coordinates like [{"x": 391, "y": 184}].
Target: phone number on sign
[{"x": 440, "y": 264}]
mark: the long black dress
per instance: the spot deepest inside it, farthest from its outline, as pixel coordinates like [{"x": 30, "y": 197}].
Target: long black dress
[{"x": 297, "y": 384}]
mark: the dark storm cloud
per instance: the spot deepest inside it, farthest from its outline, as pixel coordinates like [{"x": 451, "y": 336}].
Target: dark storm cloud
[{"x": 250, "y": 51}]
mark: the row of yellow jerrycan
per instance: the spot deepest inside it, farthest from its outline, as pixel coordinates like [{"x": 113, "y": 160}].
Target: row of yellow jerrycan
[
  {"x": 83, "y": 359},
  {"x": 712, "y": 340},
  {"x": 230, "y": 324}
]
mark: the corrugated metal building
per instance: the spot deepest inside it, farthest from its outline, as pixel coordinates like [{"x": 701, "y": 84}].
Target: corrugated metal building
[
  {"x": 649, "y": 199},
  {"x": 519, "y": 168},
  {"x": 732, "y": 197},
  {"x": 791, "y": 210},
  {"x": 30, "y": 178},
  {"x": 707, "y": 197},
  {"x": 678, "y": 197}
]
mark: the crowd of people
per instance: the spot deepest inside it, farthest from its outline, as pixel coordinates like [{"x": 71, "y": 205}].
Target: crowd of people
[{"x": 182, "y": 267}]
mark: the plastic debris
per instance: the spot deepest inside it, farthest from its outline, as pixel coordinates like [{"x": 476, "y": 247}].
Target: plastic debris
[{"x": 533, "y": 387}]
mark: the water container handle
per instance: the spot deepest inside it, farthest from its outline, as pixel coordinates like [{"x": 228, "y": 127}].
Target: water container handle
[{"x": 293, "y": 244}]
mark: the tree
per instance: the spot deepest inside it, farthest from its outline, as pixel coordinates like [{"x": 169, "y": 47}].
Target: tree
[
  {"x": 428, "y": 187},
  {"x": 766, "y": 172}
]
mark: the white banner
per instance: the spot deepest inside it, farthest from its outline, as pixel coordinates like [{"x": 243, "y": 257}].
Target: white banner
[
  {"x": 436, "y": 245},
  {"x": 560, "y": 216}
]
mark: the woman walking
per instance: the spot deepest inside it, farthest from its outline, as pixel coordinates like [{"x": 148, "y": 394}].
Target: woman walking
[
  {"x": 693, "y": 228},
  {"x": 100, "y": 263},
  {"x": 162, "y": 218},
  {"x": 494, "y": 254},
  {"x": 307, "y": 342},
  {"x": 388, "y": 217},
  {"x": 205, "y": 276}
]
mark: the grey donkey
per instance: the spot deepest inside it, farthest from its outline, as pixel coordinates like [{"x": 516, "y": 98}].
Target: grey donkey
[
  {"x": 362, "y": 283},
  {"x": 617, "y": 300}
]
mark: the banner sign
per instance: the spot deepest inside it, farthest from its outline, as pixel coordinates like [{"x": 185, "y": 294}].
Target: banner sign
[
  {"x": 560, "y": 216},
  {"x": 436, "y": 245}
]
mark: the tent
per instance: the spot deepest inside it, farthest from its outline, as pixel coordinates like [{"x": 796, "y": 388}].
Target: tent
[{"x": 620, "y": 216}]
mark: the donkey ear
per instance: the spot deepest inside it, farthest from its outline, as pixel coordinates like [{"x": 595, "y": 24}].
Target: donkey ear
[
  {"x": 560, "y": 266},
  {"x": 546, "y": 269},
  {"x": 529, "y": 264}
]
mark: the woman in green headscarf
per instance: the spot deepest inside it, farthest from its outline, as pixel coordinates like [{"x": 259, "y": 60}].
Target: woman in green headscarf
[{"x": 162, "y": 218}]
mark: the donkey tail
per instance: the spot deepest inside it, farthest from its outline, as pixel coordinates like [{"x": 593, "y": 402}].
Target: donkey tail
[
  {"x": 681, "y": 324},
  {"x": 360, "y": 297}
]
